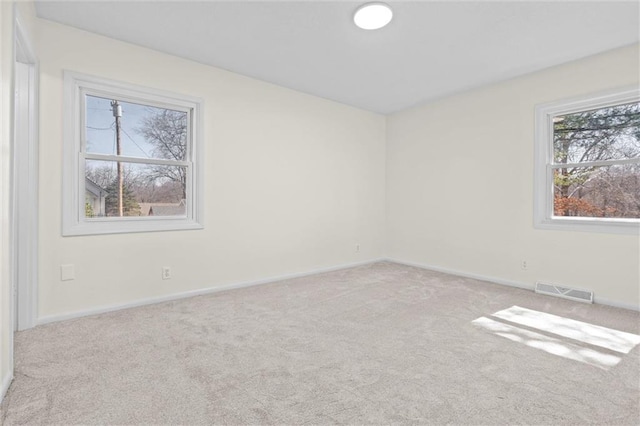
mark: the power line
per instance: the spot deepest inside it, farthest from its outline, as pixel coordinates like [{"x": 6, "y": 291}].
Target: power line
[
  {"x": 100, "y": 128},
  {"x": 135, "y": 143}
]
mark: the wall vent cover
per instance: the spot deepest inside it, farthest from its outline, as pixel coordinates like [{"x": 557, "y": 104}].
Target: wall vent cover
[{"x": 565, "y": 292}]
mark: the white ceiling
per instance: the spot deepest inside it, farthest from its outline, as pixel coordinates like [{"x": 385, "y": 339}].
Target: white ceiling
[{"x": 430, "y": 49}]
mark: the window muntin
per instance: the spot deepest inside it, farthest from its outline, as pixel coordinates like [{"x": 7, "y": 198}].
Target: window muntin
[
  {"x": 155, "y": 160},
  {"x": 588, "y": 163}
]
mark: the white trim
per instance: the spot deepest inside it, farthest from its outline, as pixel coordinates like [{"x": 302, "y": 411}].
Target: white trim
[
  {"x": 209, "y": 290},
  {"x": 595, "y": 163},
  {"x": 521, "y": 285},
  {"x": 543, "y": 155},
  {"x": 137, "y": 160},
  {"x": 25, "y": 196},
  {"x": 199, "y": 292},
  {"x": 508, "y": 283},
  {"x": 614, "y": 304},
  {"x": 25, "y": 185},
  {"x": 6, "y": 383},
  {"x": 22, "y": 215},
  {"x": 73, "y": 221},
  {"x": 133, "y": 92}
]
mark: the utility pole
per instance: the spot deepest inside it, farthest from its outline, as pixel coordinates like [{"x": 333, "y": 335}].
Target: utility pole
[{"x": 117, "y": 113}]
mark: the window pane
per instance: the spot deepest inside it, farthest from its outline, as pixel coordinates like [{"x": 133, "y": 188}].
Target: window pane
[
  {"x": 611, "y": 191},
  {"x": 601, "y": 134},
  {"x": 145, "y": 131},
  {"x": 147, "y": 190}
]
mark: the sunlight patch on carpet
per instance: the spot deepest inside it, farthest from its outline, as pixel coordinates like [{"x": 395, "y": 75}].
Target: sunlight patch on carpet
[{"x": 561, "y": 336}]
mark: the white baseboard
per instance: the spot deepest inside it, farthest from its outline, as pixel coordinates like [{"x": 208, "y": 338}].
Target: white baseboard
[
  {"x": 199, "y": 292},
  {"x": 6, "y": 382},
  {"x": 209, "y": 290},
  {"x": 464, "y": 274},
  {"x": 509, "y": 283},
  {"x": 613, "y": 303}
]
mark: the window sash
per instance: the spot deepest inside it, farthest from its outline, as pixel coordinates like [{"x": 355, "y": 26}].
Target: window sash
[
  {"x": 83, "y": 92},
  {"x": 189, "y": 202}
]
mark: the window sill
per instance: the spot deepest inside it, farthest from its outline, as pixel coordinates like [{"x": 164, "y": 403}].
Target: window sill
[
  {"x": 605, "y": 226},
  {"x": 129, "y": 226}
]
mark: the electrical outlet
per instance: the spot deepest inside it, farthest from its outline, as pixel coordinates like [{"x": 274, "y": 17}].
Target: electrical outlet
[
  {"x": 166, "y": 273},
  {"x": 524, "y": 265}
]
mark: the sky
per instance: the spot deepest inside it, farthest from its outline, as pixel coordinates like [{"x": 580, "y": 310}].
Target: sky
[{"x": 100, "y": 128}]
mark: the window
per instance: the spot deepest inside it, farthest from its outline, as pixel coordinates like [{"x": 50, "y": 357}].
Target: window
[
  {"x": 132, "y": 158},
  {"x": 588, "y": 163}
]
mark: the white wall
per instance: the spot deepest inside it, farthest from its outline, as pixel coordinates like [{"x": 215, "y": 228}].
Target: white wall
[
  {"x": 460, "y": 185},
  {"x": 6, "y": 58},
  {"x": 292, "y": 182}
]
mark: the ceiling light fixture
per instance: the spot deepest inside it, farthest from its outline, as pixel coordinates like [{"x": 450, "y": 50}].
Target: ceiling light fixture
[{"x": 372, "y": 16}]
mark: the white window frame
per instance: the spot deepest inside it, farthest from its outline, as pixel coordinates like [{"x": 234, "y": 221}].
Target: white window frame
[
  {"x": 543, "y": 172},
  {"x": 74, "y": 222}
]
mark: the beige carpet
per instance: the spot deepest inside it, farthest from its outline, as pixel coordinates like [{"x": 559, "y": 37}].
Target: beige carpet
[{"x": 377, "y": 344}]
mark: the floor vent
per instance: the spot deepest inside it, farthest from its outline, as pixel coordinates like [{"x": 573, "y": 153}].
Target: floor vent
[{"x": 565, "y": 292}]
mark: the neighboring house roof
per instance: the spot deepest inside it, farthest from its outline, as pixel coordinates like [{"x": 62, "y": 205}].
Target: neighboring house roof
[
  {"x": 167, "y": 211},
  {"x": 164, "y": 209},
  {"x": 94, "y": 188}
]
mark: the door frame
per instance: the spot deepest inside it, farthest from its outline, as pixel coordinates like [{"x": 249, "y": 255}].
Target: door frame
[{"x": 24, "y": 181}]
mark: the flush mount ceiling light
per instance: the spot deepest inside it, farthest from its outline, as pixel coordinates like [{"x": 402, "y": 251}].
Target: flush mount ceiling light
[{"x": 371, "y": 16}]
